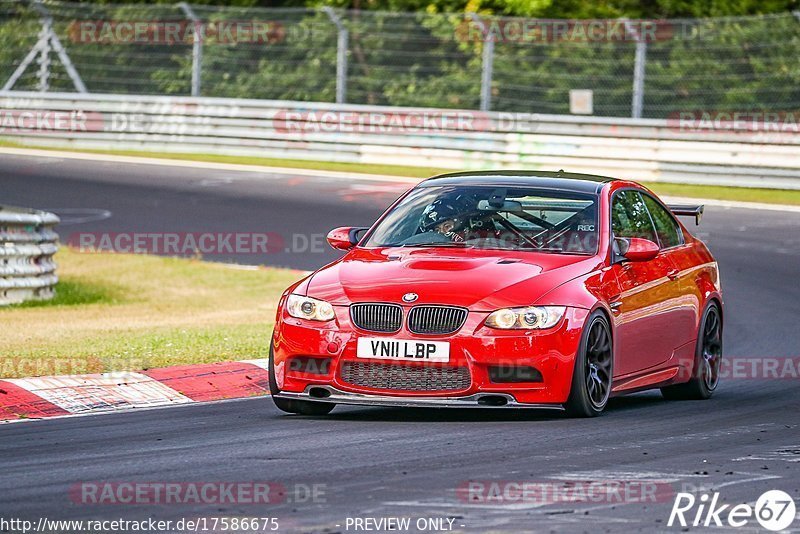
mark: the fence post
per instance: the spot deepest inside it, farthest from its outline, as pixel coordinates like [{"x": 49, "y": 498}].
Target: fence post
[
  {"x": 638, "y": 80},
  {"x": 342, "y": 44},
  {"x": 48, "y": 41},
  {"x": 640, "y": 59},
  {"x": 20, "y": 70},
  {"x": 197, "y": 47},
  {"x": 487, "y": 64},
  {"x": 44, "y": 57}
]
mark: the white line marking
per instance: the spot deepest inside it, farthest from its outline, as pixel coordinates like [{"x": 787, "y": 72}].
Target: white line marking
[
  {"x": 80, "y": 215},
  {"x": 34, "y": 420},
  {"x": 789, "y": 453},
  {"x": 263, "y": 363},
  {"x": 203, "y": 165}
]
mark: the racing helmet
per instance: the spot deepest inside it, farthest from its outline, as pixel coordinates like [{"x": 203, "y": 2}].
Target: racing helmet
[{"x": 454, "y": 209}]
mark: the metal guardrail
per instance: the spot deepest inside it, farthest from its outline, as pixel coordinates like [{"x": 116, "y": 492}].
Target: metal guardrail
[
  {"x": 637, "y": 149},
  {"x": 27, "y": 245}
]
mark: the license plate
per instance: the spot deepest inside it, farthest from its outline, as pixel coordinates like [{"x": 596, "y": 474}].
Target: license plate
[{"x": 399, "y": 349}]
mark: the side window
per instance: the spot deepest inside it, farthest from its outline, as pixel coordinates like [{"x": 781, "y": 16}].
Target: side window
[
  {"x": 669, "y": 233},
  {"x": 629, "y": 217}
]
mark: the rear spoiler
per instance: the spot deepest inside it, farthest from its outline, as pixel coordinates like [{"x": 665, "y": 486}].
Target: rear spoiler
[{"x": 695, "y": 211}]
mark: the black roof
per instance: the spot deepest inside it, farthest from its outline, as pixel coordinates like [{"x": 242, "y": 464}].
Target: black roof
[{"x": 566, "y": 181}]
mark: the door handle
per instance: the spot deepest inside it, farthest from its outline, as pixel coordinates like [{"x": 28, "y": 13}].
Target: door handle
[
  {"x": 673, "y": 274},
  {"x": 615, "y": 306}
]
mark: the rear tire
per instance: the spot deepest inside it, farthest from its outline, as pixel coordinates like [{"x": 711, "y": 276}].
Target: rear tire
[
  {"x": 594, "y": 369},
  {"x": 707, "y": 360},
  {"x": 295, "y": 406}
]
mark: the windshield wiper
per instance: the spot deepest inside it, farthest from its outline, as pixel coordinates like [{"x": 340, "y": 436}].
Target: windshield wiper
[{"x": 444, "y": 244}]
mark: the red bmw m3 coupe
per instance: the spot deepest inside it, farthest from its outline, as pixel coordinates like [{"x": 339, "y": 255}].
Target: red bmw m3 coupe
[{"x": 505, "y": 289}]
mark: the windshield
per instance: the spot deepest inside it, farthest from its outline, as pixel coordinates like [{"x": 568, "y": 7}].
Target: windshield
[{"x": 508, "y": 218}]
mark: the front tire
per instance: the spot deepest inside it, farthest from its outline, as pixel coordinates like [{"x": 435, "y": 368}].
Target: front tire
[
  {"x": 594, "y": 368},
  {"x": 295, "y": 406},
  {"x": 707, "y": 361}
]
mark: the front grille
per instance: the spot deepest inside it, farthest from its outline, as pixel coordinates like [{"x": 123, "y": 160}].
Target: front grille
[
  {"x": 377, "y": 317},
  {"x": 405, "y": 377},
  {"x": 436, "y": 319}
]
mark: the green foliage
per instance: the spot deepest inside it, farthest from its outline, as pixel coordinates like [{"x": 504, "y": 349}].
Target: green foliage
[
  {"x": 433, "y": 56},
  {"x": 567, "y": 9}
]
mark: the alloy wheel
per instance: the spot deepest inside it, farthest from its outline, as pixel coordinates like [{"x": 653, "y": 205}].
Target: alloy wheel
[
  {"x": 712, "y": 349},
  {"x": 598, "y": 365}
]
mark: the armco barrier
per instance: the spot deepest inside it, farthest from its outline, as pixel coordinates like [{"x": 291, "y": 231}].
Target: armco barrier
[
  {"x": 638, "y": 149},
  {"x": 27, "y": 245}
]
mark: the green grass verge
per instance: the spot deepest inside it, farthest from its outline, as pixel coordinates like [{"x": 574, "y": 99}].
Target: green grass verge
[
  {"x": 115, "y": 312},
  {"x": 769, "y": 196},
  {"x": 743, "y": 194},
  {"x": 73, "y": 292}
]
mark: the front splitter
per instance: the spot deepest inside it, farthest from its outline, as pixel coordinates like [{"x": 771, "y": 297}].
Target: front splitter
[{"x": 478, "y": 400}]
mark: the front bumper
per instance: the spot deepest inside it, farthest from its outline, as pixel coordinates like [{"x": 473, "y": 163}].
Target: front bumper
[
  {"x": 479, "y": 400},
  {"x": 475, "y": 347}
]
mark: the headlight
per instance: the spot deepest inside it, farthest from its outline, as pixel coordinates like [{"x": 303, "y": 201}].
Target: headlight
[
  {"x": 530, "y": 317},
  {"x": 308, "y": 308}
]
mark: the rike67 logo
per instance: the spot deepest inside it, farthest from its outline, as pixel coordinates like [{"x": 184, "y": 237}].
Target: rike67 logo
[{"x": 774, "y": 510}]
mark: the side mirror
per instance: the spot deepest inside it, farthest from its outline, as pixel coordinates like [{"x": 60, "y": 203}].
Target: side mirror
[
  {"x": 637, "y": 249},
  {"x": 345, "y": 238}
]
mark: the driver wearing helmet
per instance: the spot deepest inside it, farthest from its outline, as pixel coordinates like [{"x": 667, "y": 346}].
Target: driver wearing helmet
[{"x": 445, "y": 216}]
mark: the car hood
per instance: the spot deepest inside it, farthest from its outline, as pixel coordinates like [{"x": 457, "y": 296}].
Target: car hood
[{"x": 481, "y": 280}]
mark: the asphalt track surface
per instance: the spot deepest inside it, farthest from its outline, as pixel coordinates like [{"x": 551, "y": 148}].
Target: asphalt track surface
[{"x": 379, "y": 462}]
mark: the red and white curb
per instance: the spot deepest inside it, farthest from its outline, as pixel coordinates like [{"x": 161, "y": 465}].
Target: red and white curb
[{"x": 53, "y": 396}]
